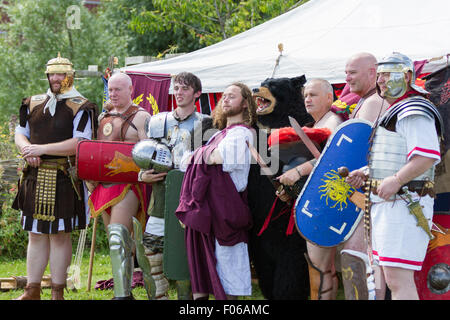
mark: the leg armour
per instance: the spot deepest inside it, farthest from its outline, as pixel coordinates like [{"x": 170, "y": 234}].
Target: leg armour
[
  {"x": 161, "y": 282},
  {"x": 316, "y": 280},
  {"x": 120, "y": 246},
  {"x": 149, "y": 282},
  {"x": 357, "y": 276}
]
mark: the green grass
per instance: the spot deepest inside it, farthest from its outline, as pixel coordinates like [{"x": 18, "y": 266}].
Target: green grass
[{"x": 101, "y": 271}]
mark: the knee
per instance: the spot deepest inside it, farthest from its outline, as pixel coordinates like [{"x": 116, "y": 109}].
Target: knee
[
  {"x": 61, "y": 239},
  {"x": 397, "y": 281}
]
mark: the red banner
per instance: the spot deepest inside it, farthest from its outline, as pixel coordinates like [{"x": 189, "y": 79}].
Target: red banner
[
  {"x": 205, "y": 104},
  {"x": 151, "y": 91}
]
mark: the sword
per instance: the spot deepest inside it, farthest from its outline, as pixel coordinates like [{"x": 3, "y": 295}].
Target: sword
[
  {"x": 290, "y": 190},
  {"x": 304, "y": 137},
  {"x": 264, "y": 168},
  {"x": 415, "y": 209},
  {"x": 357, "y": 198}
]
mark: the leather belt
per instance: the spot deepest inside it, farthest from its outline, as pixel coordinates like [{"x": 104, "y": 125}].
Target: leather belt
[{"x": 422, "y": 187}]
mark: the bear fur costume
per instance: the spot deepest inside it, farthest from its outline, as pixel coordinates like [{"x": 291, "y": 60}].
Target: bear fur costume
[{"x": 278, "y": 259}]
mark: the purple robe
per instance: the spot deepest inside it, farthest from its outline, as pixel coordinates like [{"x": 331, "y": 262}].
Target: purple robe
[{"x": 211, "y": 208}]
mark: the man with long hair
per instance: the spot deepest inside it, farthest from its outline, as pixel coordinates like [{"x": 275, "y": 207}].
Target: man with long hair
[{"x": 213, "y": 203}]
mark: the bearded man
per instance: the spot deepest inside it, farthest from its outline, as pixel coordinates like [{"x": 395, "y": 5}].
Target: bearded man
[
  {"x": 213, "y": 203},
  {"x": 52, "y": 200}
]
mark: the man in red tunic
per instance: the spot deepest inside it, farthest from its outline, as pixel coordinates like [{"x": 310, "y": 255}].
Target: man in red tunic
[{"x": 119, "y": 203}]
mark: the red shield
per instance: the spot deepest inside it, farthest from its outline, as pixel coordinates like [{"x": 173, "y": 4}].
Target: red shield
[
  {"x": 106, "y": 161},
  {"x": 433, "y": 280}
]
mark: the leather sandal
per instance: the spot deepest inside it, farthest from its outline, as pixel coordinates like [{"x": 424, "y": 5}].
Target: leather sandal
[
  {"x": 32, "y": 292},
  {"x": 58, "y": 291}
]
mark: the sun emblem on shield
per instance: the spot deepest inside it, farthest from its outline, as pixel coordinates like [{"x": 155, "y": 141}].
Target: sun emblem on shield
[{"x": 336, "y": 189}]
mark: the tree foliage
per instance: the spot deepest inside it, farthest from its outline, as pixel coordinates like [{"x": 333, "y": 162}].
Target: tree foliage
[
  {"x": 36, "y": 32},
  {"x": 206, "y": 22}
]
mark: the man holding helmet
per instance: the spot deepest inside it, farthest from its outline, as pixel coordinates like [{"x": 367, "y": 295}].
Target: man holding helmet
[
  {"x": 171, "y": 136},
  {"x": 50, "y": 197},
  {"x": 404, "y": 150}
]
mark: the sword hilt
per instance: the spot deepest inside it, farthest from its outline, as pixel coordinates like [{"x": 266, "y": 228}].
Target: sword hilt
[
  {"x": 406, "y": 193},
  {"x": 343, "y": 172}
]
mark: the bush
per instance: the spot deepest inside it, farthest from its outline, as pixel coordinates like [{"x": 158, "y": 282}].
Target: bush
[
  {"x": 13, "y": 239},
  {"x": 101, "y": 242}
]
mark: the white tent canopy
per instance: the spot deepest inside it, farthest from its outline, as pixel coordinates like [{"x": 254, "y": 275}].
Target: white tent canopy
[{"x": 318, "y": 37}]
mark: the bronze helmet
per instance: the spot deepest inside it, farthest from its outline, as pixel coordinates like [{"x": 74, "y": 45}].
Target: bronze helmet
[{"x": 62, "y": 65}]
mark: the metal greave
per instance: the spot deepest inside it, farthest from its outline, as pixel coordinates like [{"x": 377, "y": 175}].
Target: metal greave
[{"x": 120, "y": 251}]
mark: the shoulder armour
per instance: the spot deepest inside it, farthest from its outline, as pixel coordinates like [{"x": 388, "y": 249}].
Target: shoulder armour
[
  {"x": 75, "y": 104},
  {"x": 416, "y": 105},
  {"x": 37, "y": 100},
  {"x": 157, "y": 125}
]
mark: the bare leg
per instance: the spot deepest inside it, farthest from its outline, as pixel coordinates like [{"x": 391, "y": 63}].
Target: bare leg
[
  {"x": 322, "y": 258},
  {"x": 60, "y": 256},
  {"x": 380, "y": 289},
  {"x": 401, "y": 282},
  {"x": 125, "y": 210},
  {"x": 356, "y": 241},
  {"x": 37, "y": 256}
]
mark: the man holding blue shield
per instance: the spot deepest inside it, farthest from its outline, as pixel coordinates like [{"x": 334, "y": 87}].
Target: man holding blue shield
[{"x": 318, "y": 99}]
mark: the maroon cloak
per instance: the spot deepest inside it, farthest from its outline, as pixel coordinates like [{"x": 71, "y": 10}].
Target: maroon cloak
[{"x": 211, "y": 208}]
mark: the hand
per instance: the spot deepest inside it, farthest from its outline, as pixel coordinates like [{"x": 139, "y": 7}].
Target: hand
[
  {"x": 34, "y": 161},
  {"x": 32, "y": 150},
  {"x": 289, "y": 177},
  {"x": 149, "y": 176},
  {"x": 356, "y": 179},
  {"x": 388, "y": 187},
  {"x": 283, "y": 195},
  {"x": 91, "y": 185}
]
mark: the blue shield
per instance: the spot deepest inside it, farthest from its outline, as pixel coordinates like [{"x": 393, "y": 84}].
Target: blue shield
[{"x": 323, "y": 213}]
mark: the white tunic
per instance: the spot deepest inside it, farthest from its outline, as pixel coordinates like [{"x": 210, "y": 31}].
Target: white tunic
[
  {"x": 233, "y": 263},
  {"x": 397, "y": 241}
]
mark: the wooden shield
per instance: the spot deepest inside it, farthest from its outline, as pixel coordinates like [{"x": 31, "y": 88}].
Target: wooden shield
[{"x": 175, "y": 263}]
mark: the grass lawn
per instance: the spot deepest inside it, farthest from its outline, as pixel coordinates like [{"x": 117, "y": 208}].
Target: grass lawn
[{"x": 101, "y": 271}]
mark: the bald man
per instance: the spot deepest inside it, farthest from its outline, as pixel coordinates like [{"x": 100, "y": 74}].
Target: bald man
[
  {"x": 120, "y": 202},
  {"x": 361, "y": 77},
  {"x": 318, "y": 96}
]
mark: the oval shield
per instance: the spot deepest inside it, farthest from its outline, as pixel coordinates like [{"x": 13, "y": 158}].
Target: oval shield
[{"x": 323, "y": 213}]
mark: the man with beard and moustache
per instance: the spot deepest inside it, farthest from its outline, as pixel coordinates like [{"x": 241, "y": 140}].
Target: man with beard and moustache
[
  {"x": 213, "y": 203},
  {"x": 52, "y": 200}
]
